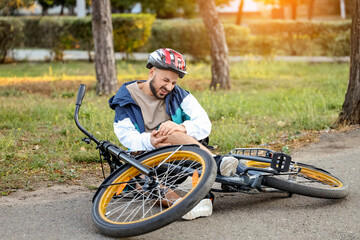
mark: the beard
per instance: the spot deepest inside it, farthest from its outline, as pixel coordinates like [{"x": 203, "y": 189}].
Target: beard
[{"x": 153, "y": 90}]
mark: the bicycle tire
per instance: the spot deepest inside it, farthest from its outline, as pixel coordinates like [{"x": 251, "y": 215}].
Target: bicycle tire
[
  {"x": 141, "y": 213},
  {"x": 310, "y": 181}
]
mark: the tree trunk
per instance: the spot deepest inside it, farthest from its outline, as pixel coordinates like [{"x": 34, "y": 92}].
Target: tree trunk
[
  {"x": 351, "y": 108},
  {"x": 104, "y": 47},
  {"x": 62, "y": 9},
  {"x": 293, "y": 9},
  {"x": 219, "y": 49},
  {"x": 240, "y": 12},
  {"x": 311, "y": 9},
  {"x": 44, "y": 11}
]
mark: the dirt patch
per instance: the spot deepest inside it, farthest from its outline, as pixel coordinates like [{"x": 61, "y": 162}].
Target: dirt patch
[
  {"x": 47, "y": 191},
  {"x": 44, "y": 195},
  {"x": 47, "y": 87}
]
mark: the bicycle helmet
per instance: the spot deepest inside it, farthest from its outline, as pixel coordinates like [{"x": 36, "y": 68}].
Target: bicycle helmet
[{"x": 167, "y": 59}]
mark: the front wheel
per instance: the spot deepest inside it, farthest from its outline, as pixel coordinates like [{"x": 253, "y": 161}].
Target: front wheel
[
  {"x": 310, "y": 181},
  {"x": 131, "y": 204}
]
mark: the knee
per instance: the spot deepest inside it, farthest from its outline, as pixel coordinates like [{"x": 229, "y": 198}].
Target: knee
[{"x": 180, "y": 138}]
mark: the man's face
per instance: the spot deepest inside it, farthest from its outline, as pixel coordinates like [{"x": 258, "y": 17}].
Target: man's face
[{"x": 163, "y": 82}]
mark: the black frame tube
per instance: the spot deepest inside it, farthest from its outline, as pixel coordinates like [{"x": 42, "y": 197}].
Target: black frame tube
[{"x": 254, "y": 158}]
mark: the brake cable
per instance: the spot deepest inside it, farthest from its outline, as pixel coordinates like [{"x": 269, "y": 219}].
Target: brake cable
[{"x": 101, "y": 163}]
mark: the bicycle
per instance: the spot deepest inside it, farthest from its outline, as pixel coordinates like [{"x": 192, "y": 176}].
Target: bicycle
[{"x": 134, "y": 198}]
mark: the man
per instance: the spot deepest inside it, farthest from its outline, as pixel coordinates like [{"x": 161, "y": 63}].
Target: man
[{"x": 157, "y": 112}]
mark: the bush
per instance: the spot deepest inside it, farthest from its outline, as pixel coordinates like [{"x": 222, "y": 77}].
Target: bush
[
  {"x": 11, "y": 36},
  {"x": 263, "y": 38},
  {"x": 49, "y": 32},
  {"x": 139, "y": 32},
  {"x": 56, "y": 34},
  {"x": 184, "y": 36},
  {"x": 238, "y": 39},
  {"x": 304, "y": 37},
  {"x": 31, "y": 32},
  {"x": 81, "y": 35},
  {"x": 191, "y": 37},
  {"x": 131, "y": 31}
]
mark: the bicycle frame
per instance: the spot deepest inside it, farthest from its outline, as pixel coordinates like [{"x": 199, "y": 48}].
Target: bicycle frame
[{"x": 251, "y": 177}]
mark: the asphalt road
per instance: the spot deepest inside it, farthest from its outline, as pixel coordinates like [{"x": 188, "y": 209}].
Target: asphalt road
[{"x": 63, "y": 212}]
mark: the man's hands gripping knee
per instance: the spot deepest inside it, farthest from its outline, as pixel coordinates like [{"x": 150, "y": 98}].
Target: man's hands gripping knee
[
  {"x": 158, "y": 140},
  {"x": 169, "y": 127},
  {"x": 160, "y": 137}
]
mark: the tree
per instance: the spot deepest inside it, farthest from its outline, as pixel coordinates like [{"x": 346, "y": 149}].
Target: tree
[
  {"x": 350, "y": 113},
  {"x": 45, "y": 4},
  {"x": 219, "y": 49},
  {"x": 292, "y": 3},
  {"x": 122, "y": 6},
  {"x": 104, "y": 47},
  {"x": 8, "y": 7},
  {"x": 64, "y": 3},
  {"x": 239, "y": 13},
  {"x": 169, "y": 8},
  {"x": 311, "y": 9}
]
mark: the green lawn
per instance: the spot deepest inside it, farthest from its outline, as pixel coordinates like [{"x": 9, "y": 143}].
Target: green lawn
[{"x": 269, "y": 100}]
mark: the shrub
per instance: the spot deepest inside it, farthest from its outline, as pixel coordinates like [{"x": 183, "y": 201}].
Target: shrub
[
  {"x": 139, "y": 32},
  {"x": 11, "y": 36},
  {"x": 184, "y": 36},
  {"x": 131, "y": 31},
  {"x": 305, "y": 37},
  {"x": 49, "y": 32},
  {"x": 31, "y": 32},
  {"x": 191, "y": 37},
  {"x": 81, "y": 35},
  {"x": 238, "y": 39}
]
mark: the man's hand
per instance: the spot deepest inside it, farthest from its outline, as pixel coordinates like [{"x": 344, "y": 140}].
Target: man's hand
[
  {"x": 157, "y": 140},
  {"x": 168, "y": 127}
]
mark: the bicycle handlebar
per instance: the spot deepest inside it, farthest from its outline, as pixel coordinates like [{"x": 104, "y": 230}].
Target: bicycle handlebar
[
  {"x": 81, "y": 94},
  {"x": 79, "y": 98}
]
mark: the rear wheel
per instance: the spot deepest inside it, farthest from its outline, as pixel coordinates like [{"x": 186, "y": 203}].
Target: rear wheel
[
  {"x": 132, "y": 204},
  {"x": 310, "y": 181}
]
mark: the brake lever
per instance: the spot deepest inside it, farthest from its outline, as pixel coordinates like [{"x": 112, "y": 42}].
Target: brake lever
[{"x": 86, "y": 140}]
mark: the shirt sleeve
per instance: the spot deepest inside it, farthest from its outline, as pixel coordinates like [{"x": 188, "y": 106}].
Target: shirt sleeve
[
  {"x": 199, "y": 125},
  {"x": 128, "y": 134},
  {"x": 130, "y": 137}
]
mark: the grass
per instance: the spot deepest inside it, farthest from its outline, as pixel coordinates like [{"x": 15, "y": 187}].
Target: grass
[{"x": 270, "y": 104}]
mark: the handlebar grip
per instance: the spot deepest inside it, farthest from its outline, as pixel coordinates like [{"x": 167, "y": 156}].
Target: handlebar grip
[{"x": 81, "y": 94}]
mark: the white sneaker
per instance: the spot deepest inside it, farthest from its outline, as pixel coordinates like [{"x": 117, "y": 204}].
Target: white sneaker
[
  {"x": 228, "y": 166},
  {"x": 203, "y": 209}
]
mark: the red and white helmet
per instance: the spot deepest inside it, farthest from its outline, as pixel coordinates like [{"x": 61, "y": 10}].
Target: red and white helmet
[{"x": 167, "y": 59}]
